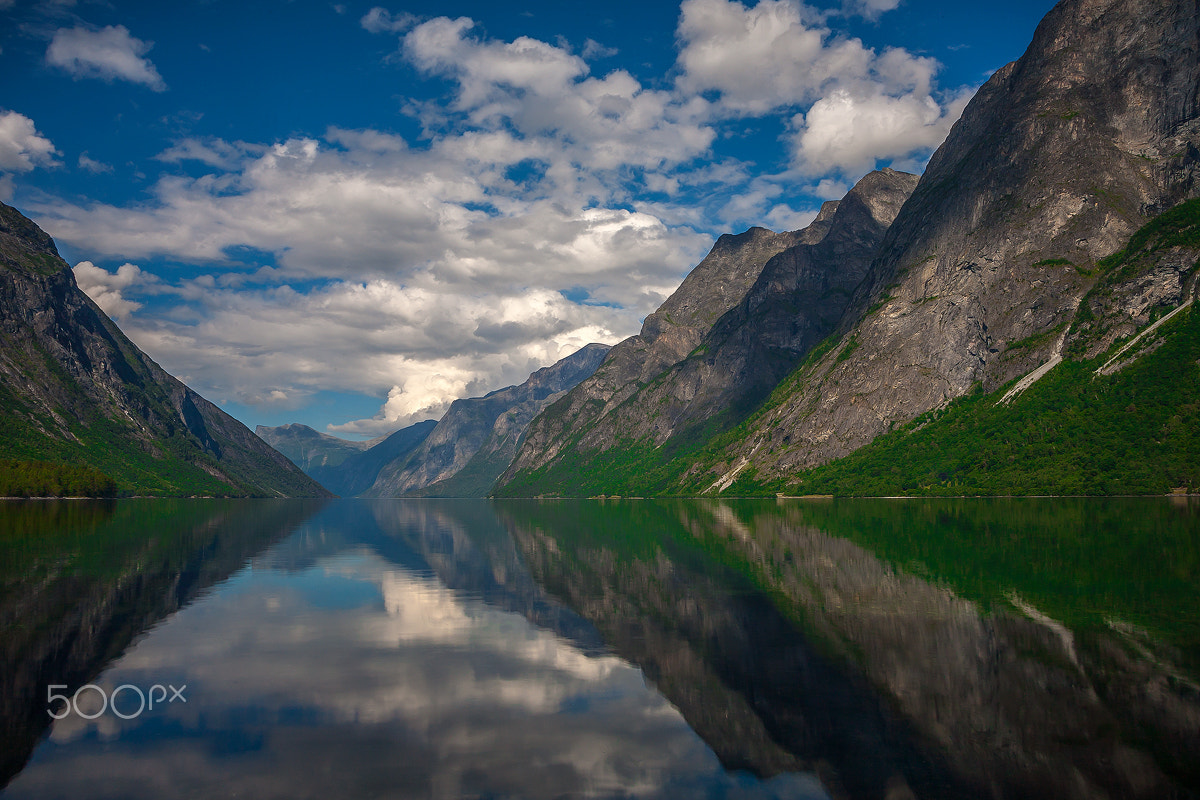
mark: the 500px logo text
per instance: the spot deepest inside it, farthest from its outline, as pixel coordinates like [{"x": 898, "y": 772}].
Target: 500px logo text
[{"x": 145, "y": 700}]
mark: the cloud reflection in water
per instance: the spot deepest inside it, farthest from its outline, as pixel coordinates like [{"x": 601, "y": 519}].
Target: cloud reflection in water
[{"x": 353, "y": 677}]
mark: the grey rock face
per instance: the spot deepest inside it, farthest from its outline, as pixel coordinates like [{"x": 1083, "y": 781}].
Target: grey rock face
[
  {"x": 1056, "y": 161},
  {"x": 492, "y": 424},
  {"x": 717, "y": 284},
  {"x": 68, "y": 375},
  {"x": 798, "y": 299}
]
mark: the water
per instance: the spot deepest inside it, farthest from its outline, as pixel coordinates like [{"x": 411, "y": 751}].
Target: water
[{"x": 448, "y": 649}]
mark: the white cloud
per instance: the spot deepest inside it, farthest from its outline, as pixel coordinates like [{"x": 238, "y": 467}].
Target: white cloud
[
  {"x": 870, "y": 9},
  {"x": 92, "y": 165},
  {"x": 546, "y": 94},
  {"x": 110, "y": 53},
  {"x": 380, "y": 20},
  {"x": 214, "y": 152},
  {"x": 850, "y": 133},
  {"x": 593, "y": 49},
  {"x": 862, "y": 106},
  {"x": 779, "y": 53},
  {"x": 761, "y": 58},
  {"x": 106, "y": 288},
  {"x": 22, "y": 147}
]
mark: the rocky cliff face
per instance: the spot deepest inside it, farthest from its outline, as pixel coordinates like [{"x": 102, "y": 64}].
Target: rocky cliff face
[
  {"x": 652, "y": 390},
  {"x": 482, "y": 433},
  {"x": 74, "y": 388},
  {"x": 1058, "y": 159},
  {"x": 719, "y": 283}
]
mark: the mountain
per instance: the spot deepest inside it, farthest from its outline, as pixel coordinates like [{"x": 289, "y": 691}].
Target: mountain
[
  {"x": 668, "y": 335},
  {"x": 1041, "y": 230},
  {"x": 74, "y": 389},
  {"x": 477, "y": 438},
  {"x": 359, "y": 471},
  {"x": 343, "y": 467},
  {"x": 780, "y": 295},
  {"x": 307, "y": 448}
]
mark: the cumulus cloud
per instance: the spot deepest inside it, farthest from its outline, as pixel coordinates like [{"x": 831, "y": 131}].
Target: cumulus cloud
[
  {"x": 380, "y": 20},
  {"x": 418, "y": 347},
  {"x": 442, "y": 264},
  {"x": 110, "y": 53},
  {"x": 862, "y": 106},
  {"x": 107, "y": 288},
  {"x": 848, "y": 133},
  {"x": 22, "y": 147},
  {"x": 547, "y": 95}
]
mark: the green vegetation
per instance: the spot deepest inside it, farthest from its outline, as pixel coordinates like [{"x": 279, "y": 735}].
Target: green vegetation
[
  {"x": 47, "y": 479},
  {"x": 1036, "y": 340},
  {"x": 172, "y": 466},
  {"x": 1134, "y": 432}
]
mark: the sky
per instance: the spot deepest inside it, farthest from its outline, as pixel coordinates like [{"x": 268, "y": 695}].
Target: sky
[{"x": 349, "y": 215}]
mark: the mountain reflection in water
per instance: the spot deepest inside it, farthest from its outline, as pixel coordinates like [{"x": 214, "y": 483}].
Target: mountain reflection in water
[{"x": 603, "y": 649}]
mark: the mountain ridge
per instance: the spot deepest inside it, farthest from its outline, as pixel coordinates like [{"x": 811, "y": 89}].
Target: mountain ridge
[{"x": 76, "y": 390}]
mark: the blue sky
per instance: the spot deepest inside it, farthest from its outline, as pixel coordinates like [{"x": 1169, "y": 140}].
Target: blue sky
[{"x": 349, "y": 214}]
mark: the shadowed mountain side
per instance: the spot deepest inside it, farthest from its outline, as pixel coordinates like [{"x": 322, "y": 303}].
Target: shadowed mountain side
[
  {"x": 74, "y": 389},
  {"x": 307, "y": 448},
  {"x": 359, "y": 471}
]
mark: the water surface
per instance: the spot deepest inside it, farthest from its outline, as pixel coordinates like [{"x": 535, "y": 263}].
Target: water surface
[{"x": 603, "y": 648}]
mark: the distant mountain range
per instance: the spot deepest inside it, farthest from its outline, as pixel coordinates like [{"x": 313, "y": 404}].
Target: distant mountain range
[
  {"x": 461, "y": 455},
  {"x": 75, "y": 390},
  {"x": 1053, "y": 225}
]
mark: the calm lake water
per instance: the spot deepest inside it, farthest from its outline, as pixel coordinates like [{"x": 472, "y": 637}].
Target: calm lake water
[{"x": 656, "y": 649}]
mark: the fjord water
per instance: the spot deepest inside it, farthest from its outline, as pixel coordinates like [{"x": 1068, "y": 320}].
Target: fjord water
[{"x": 873, "y": 649}]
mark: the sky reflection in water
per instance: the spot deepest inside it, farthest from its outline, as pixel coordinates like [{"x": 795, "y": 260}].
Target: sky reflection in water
[{"x": 350, "y": 675}]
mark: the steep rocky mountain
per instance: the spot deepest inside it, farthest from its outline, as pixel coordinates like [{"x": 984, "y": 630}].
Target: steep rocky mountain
[
  {"x": 74, "y": 389},
  {"x": 1006, "y": 258},
  {"x": 343, "y": 467},
  {"x": 477, "y": 438},
  {"x": 307, "y": 448},
  {"x": 699, "y": 380},
  {"x": 1055, "y": 163},
  {"x": 668, "y": 335}
]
